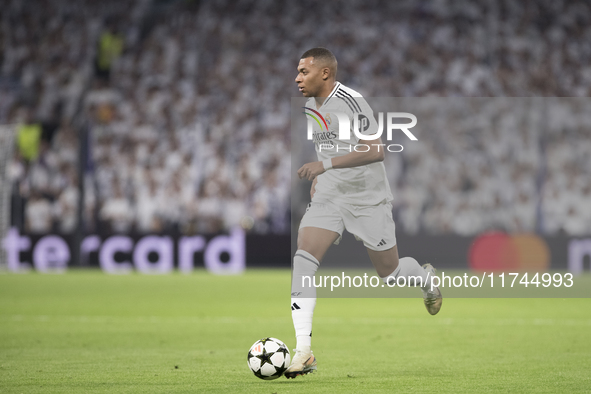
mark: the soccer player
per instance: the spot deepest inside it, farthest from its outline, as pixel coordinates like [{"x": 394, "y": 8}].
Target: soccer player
[{"x": 349, "y": 191}]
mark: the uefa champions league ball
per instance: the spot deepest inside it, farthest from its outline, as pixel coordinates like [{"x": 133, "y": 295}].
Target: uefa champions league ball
[{"x": 268, "y": 358}]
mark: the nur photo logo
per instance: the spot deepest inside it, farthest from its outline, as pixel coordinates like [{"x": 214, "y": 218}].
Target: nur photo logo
[{"x": 324, "y": 137}]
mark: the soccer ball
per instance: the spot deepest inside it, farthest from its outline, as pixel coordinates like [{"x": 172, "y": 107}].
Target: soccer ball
[{"x": 268, "y": 358}]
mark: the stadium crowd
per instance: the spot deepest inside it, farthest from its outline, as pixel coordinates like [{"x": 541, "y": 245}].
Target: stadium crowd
[{"x": 186, "y": 105}]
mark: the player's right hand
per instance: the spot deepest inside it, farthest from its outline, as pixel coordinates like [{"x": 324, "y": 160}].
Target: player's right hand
[{"x": 311, "y": 170}]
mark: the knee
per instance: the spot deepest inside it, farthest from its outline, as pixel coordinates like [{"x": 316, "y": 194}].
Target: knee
[
  {"x": 309, "y": 247},
  {"x": 316, "y": 241}
]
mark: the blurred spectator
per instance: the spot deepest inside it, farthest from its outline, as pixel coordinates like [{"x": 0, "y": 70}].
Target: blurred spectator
[
  {"x": 66, "y": 208},
  {"x": 38, "y": 214},
  {"x": 117, "y": 212},
  {"x": 188, "y": 110},
  {"x": 28, "y": 136},
  {"x": 110, "y": 47}
]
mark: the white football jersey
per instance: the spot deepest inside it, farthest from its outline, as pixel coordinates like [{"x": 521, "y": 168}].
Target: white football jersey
[{"x": 363, "y": 185}]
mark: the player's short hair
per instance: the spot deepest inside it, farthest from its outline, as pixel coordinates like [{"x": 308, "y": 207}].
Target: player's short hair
[{"x": 324, "y": 58}]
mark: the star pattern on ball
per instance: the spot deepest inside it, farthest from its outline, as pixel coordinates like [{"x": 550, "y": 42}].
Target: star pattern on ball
[
  {"x": 265, "y": 357},
  {"x": 282, "y": 349}
]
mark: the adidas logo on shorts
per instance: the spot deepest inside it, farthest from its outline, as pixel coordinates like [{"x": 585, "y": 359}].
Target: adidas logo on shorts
[{"x": 382, "y": 243}]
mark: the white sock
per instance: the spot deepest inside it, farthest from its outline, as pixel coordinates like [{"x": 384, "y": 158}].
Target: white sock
[
  {"x": 303, "y": 297},
  {"x": 409, "y": 268}
]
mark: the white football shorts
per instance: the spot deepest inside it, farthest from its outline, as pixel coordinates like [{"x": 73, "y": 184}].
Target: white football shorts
[{"x": 371, "y": 224}]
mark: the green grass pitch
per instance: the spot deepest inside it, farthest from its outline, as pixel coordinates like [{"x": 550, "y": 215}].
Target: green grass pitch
[{"x": 88, "y": 332}]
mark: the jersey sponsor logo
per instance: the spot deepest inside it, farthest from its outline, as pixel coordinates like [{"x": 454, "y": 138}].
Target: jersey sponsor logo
[
  {"x": 363, "y": 122},
  {"x": 324, "y": 139},
  {"x": 324, "y": 143},
  {"x": 326, "y": 136},
  {"x": 316, "y": 118}
]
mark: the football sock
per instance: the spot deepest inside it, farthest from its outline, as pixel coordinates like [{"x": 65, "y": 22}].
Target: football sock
[
  {"x": 407, "y": 268},
  {"x": 303, "y": 297}
]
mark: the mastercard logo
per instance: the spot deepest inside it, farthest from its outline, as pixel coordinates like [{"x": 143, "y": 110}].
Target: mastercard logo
[{"x": 498, "y": 251}]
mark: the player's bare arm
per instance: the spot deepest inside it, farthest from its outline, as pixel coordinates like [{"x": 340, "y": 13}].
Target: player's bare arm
[{"x": 354, "y": 159}]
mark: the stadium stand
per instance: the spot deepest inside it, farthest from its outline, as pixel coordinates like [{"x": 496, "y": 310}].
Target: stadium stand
[{"x": 186, "y": 104}]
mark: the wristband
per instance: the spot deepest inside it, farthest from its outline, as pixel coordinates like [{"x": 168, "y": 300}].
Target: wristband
[{"x": 327, "y": 164}]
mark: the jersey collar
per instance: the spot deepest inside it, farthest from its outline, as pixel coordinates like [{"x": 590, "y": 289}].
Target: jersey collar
[{"x": 334, "y": 90}]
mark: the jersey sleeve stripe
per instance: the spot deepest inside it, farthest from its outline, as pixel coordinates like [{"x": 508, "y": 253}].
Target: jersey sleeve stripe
[
  {"x": 356, "y": 104},
  {"x": 346, "y": 100}
]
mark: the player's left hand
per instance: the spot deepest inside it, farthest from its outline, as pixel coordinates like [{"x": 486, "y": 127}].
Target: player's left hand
[{"x": 311, "y": 170}]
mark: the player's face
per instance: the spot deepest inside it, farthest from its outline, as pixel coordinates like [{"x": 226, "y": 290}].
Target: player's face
[{"x": 309, "y": 77}]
